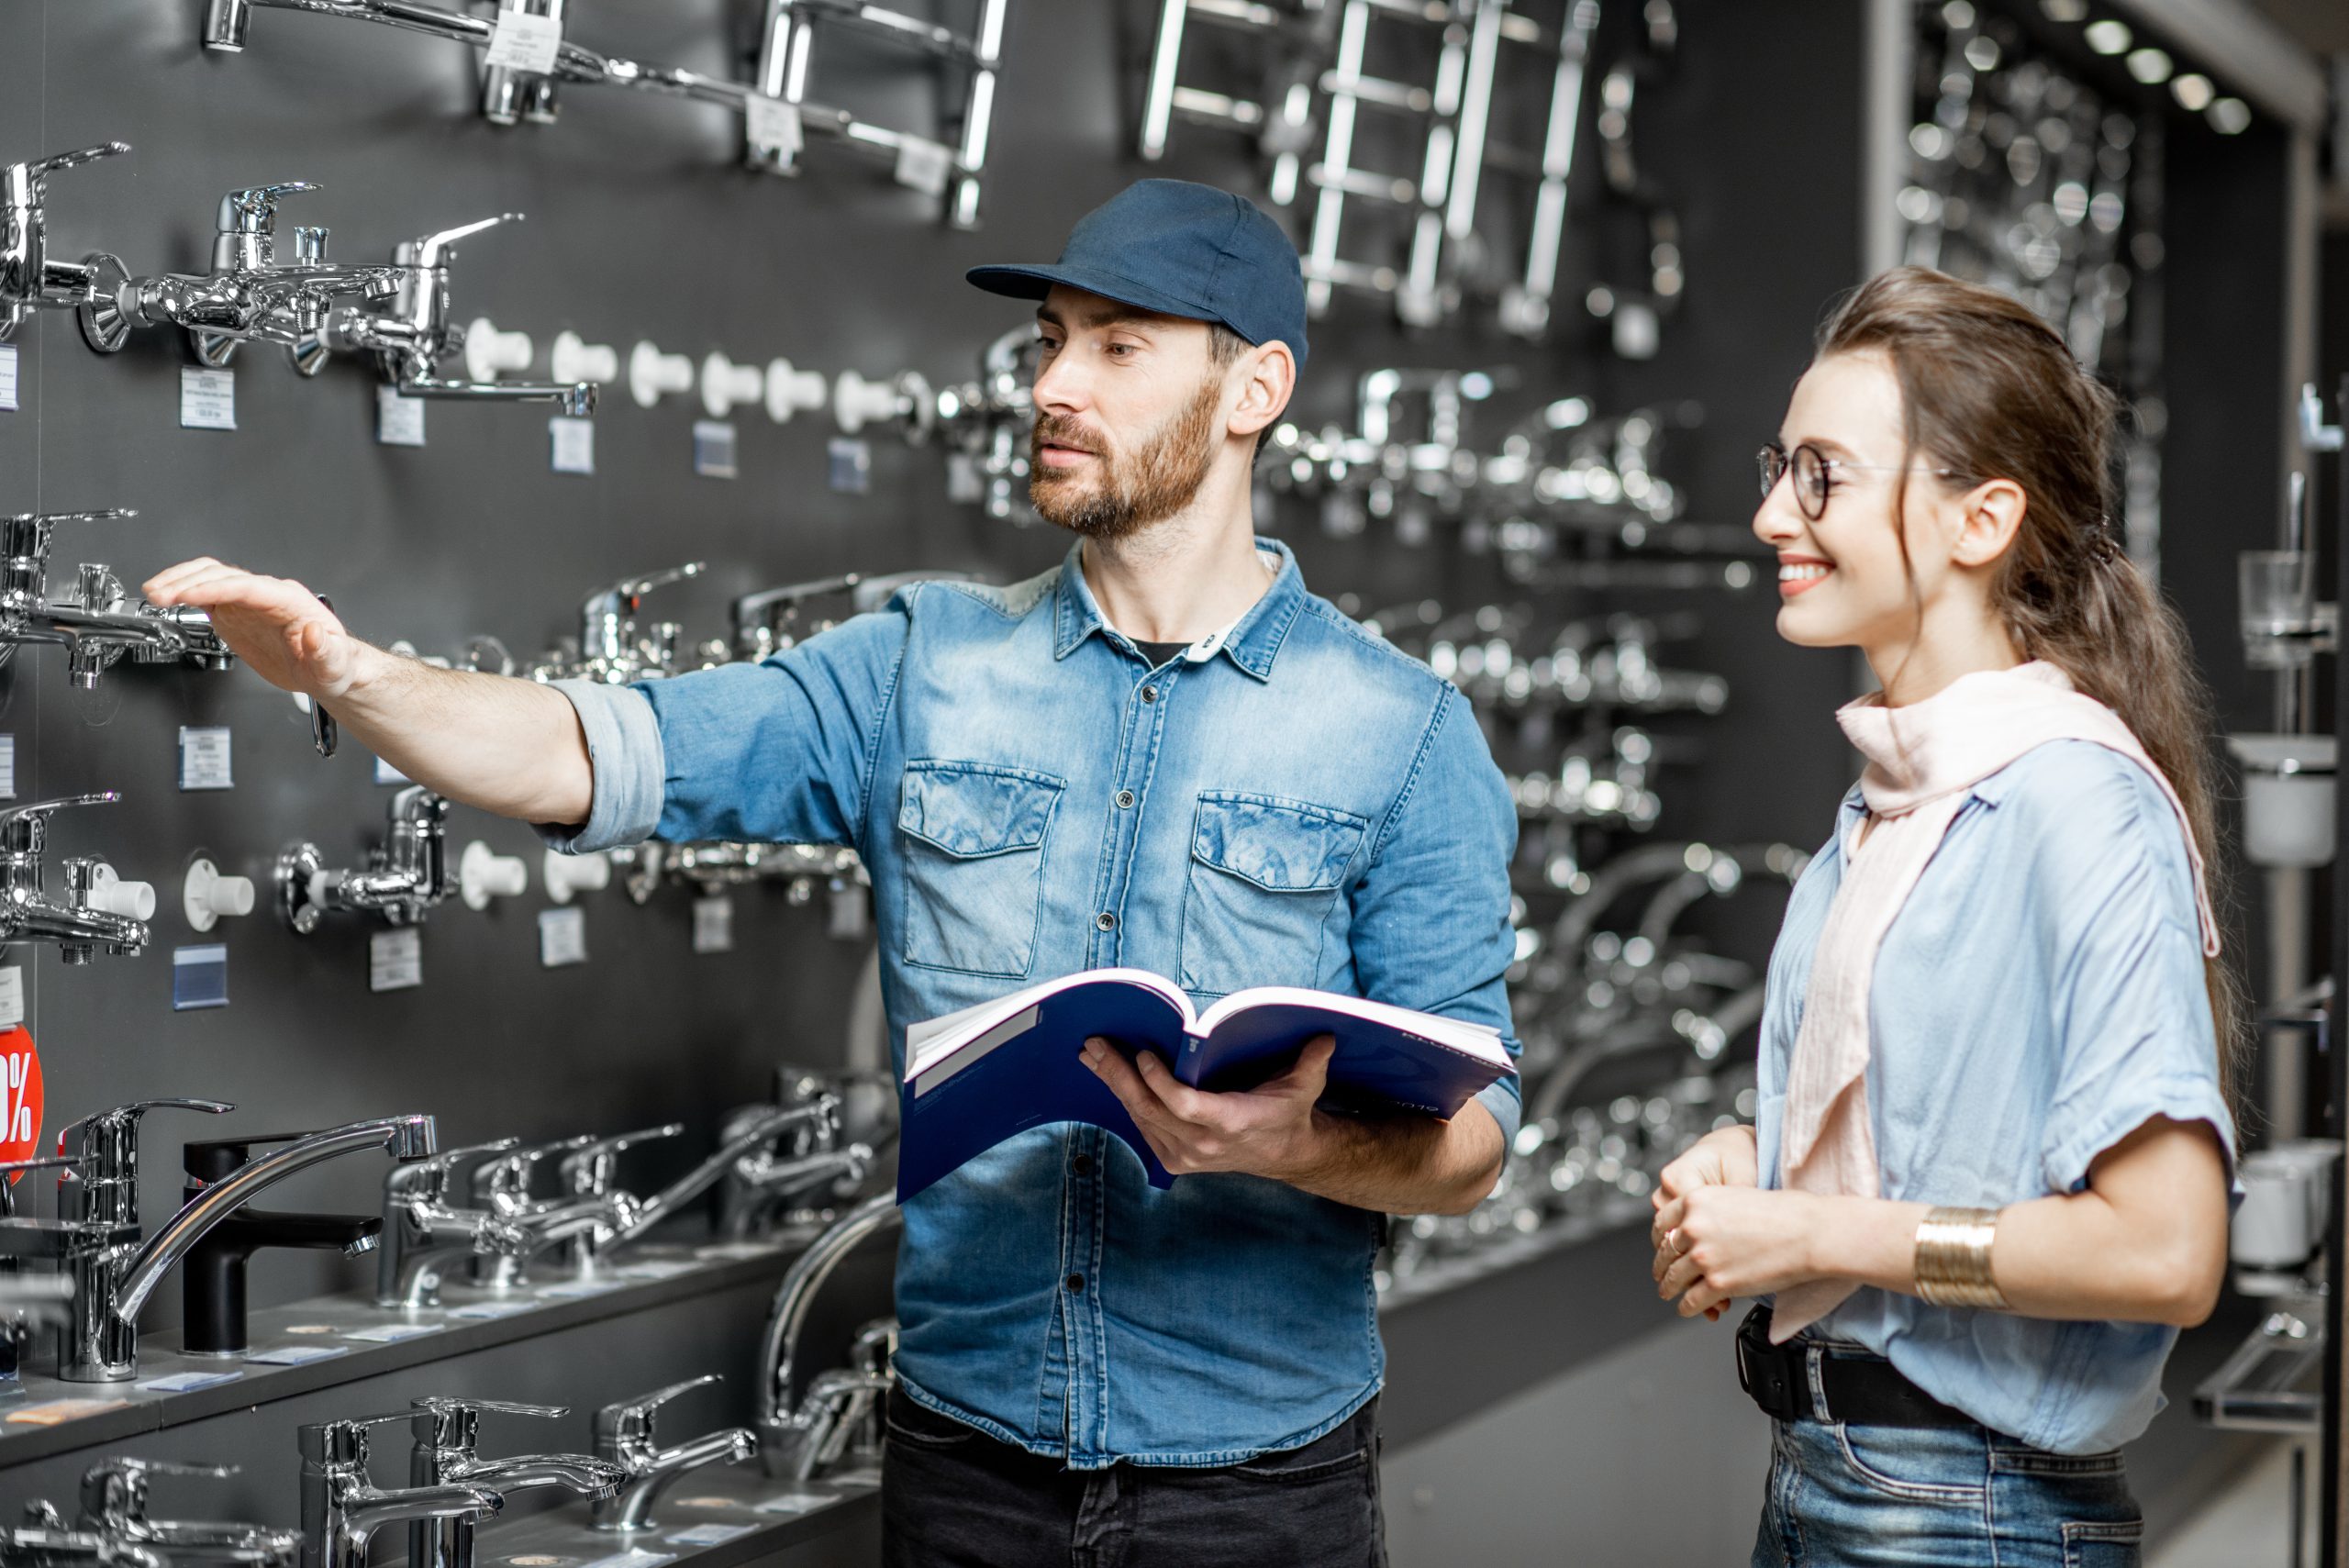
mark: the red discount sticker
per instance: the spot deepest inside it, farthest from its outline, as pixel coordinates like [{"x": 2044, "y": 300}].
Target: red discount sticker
[{"x": 19, "y": 1097}]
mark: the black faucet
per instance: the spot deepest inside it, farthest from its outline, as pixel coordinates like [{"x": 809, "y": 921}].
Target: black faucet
[{"x": 212, "y": 1283}]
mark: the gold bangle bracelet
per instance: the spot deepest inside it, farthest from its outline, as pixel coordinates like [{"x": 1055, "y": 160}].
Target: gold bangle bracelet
[{"x": 1953, "y": 1259}]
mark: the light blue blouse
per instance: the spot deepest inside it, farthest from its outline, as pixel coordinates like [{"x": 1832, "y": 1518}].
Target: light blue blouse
[{"x": 2039, "y": 997}]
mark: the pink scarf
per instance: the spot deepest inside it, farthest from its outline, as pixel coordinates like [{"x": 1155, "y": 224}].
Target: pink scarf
[{"x": 1922, "y": 761}]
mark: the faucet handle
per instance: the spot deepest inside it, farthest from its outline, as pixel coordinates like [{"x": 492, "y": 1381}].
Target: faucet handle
[
  {"x": 341, "y": 1443},
  {"x": 436, "y": 1173},
  {"x": 113, "y": 1490},
  {"x": 23, "y": 827},
  {"x": 253, "y": 210},
  {"x": 25, "y": 180},
  {"x": 509, "y": 1175},
  {"x": 108, "y": 1132},
  {"x": 587, "y": 1169},
  {"x": 442, "y": 1421},
  {"x": 631, "y": 1421},
  {"x": 428, "y": 249},
  {"x": 442, "y": 1403},
  {"x": 629, "y": 590}
]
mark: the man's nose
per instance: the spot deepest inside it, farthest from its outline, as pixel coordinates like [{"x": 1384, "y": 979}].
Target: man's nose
[{"x": 1060, "y": 386}]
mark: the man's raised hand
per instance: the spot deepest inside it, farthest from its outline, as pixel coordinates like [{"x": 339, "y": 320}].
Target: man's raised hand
[{"x": 277, "y": 627}]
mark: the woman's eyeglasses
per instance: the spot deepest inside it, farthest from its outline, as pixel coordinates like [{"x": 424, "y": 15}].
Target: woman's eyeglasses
[{"x": 1814, "y": 474}]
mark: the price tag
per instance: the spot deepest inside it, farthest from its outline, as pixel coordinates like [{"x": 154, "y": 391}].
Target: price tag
[
  {"x": 488, "y": 1311},
  {"x": 182, "y": 1382},
  {"x": 633, "y": 1557},
  {"x": 399, "y": 421},
  {"x": 576, "y": 1289},
  {"x": 562, "y": 937},
  {"x": 7, "y": 767},
  {"x": 924, "y": 165},
  {"x": 710, "y": 1535},
  {"x": 199, "y": 977},
  {"x": 203, "y": 757},
  {"x": 387, "y": 775},
  {"x": 574, "y": 444},
  {"x": 207, "y": 399},
  {"x": 49, "y": 1412},
  {"x": 297, "y": 1355},
  {"x": 12, "y": 999},
  {"x": 524, "y": 42},
  {"x": 7, "y": 378},
  {"x": 790, "y": 1503},
  {"x": 772, "y": 127},
  {"x": 964, "y": 483},
  {"x": 395, "y": 959},
  {"x": 850, "y": 464},
  {"x": 714, "y": 924},
  {"x": 714, "y": 448},
  {"x": 392, "y": 1333}
]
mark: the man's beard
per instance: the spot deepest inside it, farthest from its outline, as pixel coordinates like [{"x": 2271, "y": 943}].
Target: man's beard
[{"x": 1129, "y": 492}]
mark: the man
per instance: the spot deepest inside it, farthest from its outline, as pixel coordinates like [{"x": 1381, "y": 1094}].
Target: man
[{"x": 1163, "y": 754}]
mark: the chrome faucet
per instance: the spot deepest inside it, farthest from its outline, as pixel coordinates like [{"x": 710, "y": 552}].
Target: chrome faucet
[
  {"x": 624, "y": 1435},
  {"x": 795, "y": 1438},
  {"x": 750, "y": 1137},
  {"x": 424, "y": 1233},
  {"x": 28, "y": 278},
  {"x": 792, "y": 1149},
  {"x": 98, "y": 624},
  {"x": 612, "y": 648},
  {"x": 502, "y": 1187},
  {"x": 98, "y": 1199},
  {"x": 342, "y": 1507},
  {"x": 406, "y": 875},
  {"x": 590, "y": 1169},
  {"x": 113, "y": 1503},
  {"x": 448, "y": 1438},
  {"x": 101, "y": 909},
  {"x": 411, "y": 339},
  {"x": 26, "y": 1302},
  {"x": 987, "y": 425},
  {"x": 250, "y": 294}
]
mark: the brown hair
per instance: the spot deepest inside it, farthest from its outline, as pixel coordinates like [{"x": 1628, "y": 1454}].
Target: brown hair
[{"x": 1989, "y": 390}]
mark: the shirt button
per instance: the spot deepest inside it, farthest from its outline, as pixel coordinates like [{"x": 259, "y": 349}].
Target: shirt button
[
  {"x": 1081, "y": 1166},
  {"x": 1106, "y": 920},
  {"x": 1076, "y": 1281},
  {"x": 1125, "y": 800},
  {"x": 1150, "y": 694}
]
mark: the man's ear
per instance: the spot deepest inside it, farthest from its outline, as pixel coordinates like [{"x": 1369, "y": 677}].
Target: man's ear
[
  {"x": 1268, "y": 375},
  {"x": 1992, "y": 515}
]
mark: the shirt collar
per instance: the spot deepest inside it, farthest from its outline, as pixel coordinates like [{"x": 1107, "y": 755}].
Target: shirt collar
[{"x": 1253, "y": 642}]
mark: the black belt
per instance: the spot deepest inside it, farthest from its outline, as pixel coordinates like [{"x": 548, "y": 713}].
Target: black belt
[{"x": 1860, "y": 1390}]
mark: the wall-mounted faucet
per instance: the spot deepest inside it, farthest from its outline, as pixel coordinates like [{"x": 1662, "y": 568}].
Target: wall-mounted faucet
[
  {"x": 342, "y": 1507},
  {"x": 411, "y": 339},
  {"x": 987, "y": 423},
  {"x": 800, "y": 1434},
  {"x": 102, "y": 911},
  {"x": 905, "y": 400},
  {"x": 425, "y": 1234},
  {"x": 30, "y": 278},
  {"x": 612, "y": 648},
  {"x": 447, "y": 1452},
  {"x": 99, "y": 624},
  {"x": 250, "y": 294},
  {"x": 113, "y": 1503},
  {"x": 406, "y": 875},
  {"x": 98, "y": 1202},
  {"x": 212, "y": 1285},
  {"x": 624, "y": 1435}
]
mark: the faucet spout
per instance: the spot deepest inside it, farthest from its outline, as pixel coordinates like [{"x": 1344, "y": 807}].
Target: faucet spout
[{"x": 402, "y": 1137}]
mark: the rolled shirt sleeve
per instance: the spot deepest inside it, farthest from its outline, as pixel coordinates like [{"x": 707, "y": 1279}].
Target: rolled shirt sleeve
[
  {"x": 624, "y": 748},
  {"x": 1432, "y": 914}
]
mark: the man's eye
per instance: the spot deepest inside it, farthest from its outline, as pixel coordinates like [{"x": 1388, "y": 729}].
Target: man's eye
[{"x": 1121, "y": 349}]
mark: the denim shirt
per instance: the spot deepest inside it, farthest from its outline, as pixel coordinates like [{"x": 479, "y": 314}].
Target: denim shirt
[
  {"x": 1304, "y": 806},
  {"x": 2039, "y": 997}
]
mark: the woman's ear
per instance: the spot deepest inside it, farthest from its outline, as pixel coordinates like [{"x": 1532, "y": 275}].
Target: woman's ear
[{"x": 1990, "y": 513}]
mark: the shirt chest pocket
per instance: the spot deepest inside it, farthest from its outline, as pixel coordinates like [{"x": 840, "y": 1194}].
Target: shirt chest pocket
[
  {"x": 974, "y": 837},
  {"x": 1263, "y": 877}
]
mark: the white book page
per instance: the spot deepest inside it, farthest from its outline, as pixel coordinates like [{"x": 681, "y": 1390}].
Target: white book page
[
  {"x": 934, "y": 1039},
  {"x": 1479, "y": 1041}
]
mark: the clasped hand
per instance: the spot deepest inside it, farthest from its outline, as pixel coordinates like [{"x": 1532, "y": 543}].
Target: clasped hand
[
  {"x": 1268, "y": 1130},
  {"x": 1718, "y": 1235}
]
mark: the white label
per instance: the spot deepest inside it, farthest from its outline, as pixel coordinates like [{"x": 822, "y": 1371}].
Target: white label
[
  {"x": 714, "y": 448},
  {"x": 714, "y": 924},
  {"x": 772, "y": 127},
  {"x": 182, "y": 1382},
  {"x": 924, "y": 165},
  {"x": 297, "y": 1355},
  {"x": 203, "y": 757},
  {"x": 562, "y": 937},
  {"x": 710, "y": 1535},
  {"x": 576, "y": 1289},
  {"x": 488, "y": 1311},
  {"x": 791, "y": 1503},
  {"x": 207, "y": 399},
  {"x": 7, "y": 767},
  {"x": 574, "y": 444},
  {"x": 387, "y": 775},
  {"x": 848, "y": 464},
  {"x": 524, "y": 42},
  {"x": 7, "y": 378},
  {"x": 392, "y": 1333},
  {"x": 633, "y": 1557},
  {"x": 12, "y": 996},
  {"x": 395, "y": 959},
  {"x": 399, "y": 421},
  {"x": 199, "y": 977}
]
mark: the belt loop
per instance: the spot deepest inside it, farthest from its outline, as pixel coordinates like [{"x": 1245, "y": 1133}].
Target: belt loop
[{"x": 1814, "y": 1364}]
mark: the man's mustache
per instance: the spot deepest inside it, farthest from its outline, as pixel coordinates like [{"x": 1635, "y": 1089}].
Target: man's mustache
[{"x": 1057, "y": 431}]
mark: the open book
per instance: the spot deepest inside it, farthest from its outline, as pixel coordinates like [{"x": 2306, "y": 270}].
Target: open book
[{"x": 977, "y": 1077}]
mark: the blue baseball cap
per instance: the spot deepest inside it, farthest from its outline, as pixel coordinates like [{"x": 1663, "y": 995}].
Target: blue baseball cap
[{"x": 1178, "y": 248}]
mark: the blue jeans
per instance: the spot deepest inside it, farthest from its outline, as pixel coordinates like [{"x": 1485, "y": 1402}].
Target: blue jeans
[{"x": 1843, "y": 1496}]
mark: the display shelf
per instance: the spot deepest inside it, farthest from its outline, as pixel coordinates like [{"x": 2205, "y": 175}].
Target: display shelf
[{"x": 725, "y": 1517}]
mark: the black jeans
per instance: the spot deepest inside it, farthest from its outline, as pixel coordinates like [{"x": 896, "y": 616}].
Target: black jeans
[{"x": 952, "y": 1496}]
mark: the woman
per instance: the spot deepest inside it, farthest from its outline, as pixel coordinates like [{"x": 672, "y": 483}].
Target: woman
[{"x": 1990, "y": 1174}]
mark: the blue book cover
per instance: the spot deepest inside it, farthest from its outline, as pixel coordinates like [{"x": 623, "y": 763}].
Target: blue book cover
[{"x": 976, "y": 1077}]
